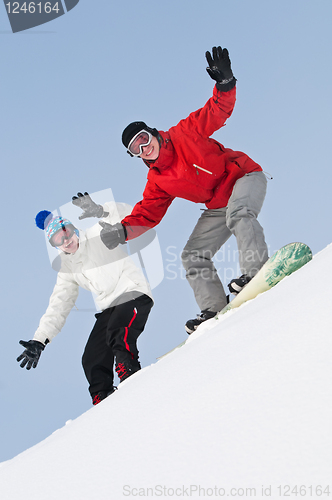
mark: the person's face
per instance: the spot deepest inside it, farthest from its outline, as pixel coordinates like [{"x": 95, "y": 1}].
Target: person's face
[
  {"x": 66, "y": 240},
  {"x": 151, "y": 151}
]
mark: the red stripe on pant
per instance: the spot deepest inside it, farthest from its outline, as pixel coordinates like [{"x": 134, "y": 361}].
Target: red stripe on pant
[{"x": 127, "y": 331}]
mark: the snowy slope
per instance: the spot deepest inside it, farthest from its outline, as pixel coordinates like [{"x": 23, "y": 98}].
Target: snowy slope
[{"x": 246, "y": 403}]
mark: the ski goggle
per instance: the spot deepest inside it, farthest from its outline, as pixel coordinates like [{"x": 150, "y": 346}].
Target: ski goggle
[
  {"x": 143, "y": 138},
  {"x": 61, "y": 236}
]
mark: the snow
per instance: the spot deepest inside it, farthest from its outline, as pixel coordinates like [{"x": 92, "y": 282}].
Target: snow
[{"x": 242, "y": 410}]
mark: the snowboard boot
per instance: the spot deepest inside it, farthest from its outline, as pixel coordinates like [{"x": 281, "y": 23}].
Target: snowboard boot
[
  {"x": 127, "y": 368},
  {"x": 192, "y": 324},
  {"x": 99, "y": 396},
  {"x": 235, "y": 286}
]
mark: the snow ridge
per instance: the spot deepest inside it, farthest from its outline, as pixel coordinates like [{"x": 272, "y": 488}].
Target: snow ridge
[{"x": 243, "y": 409}]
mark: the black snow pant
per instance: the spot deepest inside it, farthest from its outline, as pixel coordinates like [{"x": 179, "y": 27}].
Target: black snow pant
[{"x": 114, "y": 337}]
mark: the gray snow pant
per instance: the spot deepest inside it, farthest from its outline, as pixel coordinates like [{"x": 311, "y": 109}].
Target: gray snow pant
[{"x": 213, "y": 229}]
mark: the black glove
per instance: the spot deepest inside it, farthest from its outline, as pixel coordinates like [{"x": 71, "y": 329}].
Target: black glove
[
  {"x": 220, "y": 69},
  {"x": 31, "y": 355},
  {"x": 89, "y": 207},
  {"x": 113, "y": 235}
]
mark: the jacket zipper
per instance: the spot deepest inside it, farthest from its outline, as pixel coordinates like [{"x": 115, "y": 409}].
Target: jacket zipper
[{"x": 201, "y": 168}]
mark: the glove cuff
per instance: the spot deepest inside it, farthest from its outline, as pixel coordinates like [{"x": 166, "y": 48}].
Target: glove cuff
[
  {"x": 226, "y": 85},
  {"x": 42, "y": 344},
  {"x": 125, "y": 232},
  {"x": 122, "y": 233}
]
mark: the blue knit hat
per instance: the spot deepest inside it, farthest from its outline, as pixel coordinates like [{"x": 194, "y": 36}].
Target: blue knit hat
[{"x": 46, "y": 221}]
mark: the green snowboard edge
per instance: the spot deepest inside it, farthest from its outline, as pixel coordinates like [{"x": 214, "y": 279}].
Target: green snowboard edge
[{"x": 283, "y": 262}]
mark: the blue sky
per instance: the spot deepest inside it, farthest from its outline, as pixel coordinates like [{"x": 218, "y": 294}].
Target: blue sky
[{"x": 69, "y": 88}]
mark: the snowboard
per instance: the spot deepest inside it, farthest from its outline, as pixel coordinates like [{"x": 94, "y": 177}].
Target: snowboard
[{"x": 283, "y": 262}]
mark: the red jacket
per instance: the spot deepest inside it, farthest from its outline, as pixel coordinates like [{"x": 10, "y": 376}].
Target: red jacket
[{"x": 191, "y": 165}]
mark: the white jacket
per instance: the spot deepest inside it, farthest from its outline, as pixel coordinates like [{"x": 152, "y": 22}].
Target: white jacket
[{"x": 108, "y": 274}]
